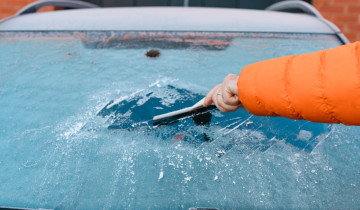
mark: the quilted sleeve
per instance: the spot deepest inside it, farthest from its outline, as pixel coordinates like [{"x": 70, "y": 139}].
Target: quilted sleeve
[{"x": 323, "y": 86}]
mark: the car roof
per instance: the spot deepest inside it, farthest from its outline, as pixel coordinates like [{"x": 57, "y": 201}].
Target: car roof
[{"x": 168, "y": 19}]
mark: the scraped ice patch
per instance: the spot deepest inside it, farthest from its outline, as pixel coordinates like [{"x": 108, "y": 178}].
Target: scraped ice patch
[
  {"x": 163, "y": 81},
  {"x": 73, "y": 130},
  {"x": 236, "y": 126},
  {"x": 122, "y": 98},
  {"x": 139, "y": 108},
  {"x": 304, "y": 135},
  {"x": 187, "y": 179},
  {"x": 161, "y": 175},
  {"x": 244, "y": 141},
  {"x": 117, "y": 101}
]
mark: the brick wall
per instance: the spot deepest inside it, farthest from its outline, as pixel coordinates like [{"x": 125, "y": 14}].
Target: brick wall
[
  {"x": 344, "y": 13},
  {"x": 10, "y": 7}
]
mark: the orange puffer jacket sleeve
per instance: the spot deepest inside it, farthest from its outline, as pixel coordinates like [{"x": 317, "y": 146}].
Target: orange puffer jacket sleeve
[{"x": 321, "y": 87}]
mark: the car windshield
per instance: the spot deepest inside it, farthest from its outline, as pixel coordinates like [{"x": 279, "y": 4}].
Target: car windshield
[{"x": 76, "y": 127}]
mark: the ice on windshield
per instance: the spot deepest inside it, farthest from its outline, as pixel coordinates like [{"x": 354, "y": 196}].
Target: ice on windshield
[
  {"x": 137, "y": 111},
  {"x": 76, "y": 129}
]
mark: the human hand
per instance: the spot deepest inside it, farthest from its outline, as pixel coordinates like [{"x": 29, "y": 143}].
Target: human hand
[{"x": 225, "y": 95}]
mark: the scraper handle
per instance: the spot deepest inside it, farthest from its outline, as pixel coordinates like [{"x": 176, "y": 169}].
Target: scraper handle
[{"x": 198, "y": 105}]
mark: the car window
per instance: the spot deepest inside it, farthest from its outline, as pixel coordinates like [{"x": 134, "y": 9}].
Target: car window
[{"x": 77, "y": 132}]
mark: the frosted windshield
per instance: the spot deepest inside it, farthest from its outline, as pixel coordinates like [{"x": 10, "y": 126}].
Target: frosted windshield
[{"x": 76, "y": 128}]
